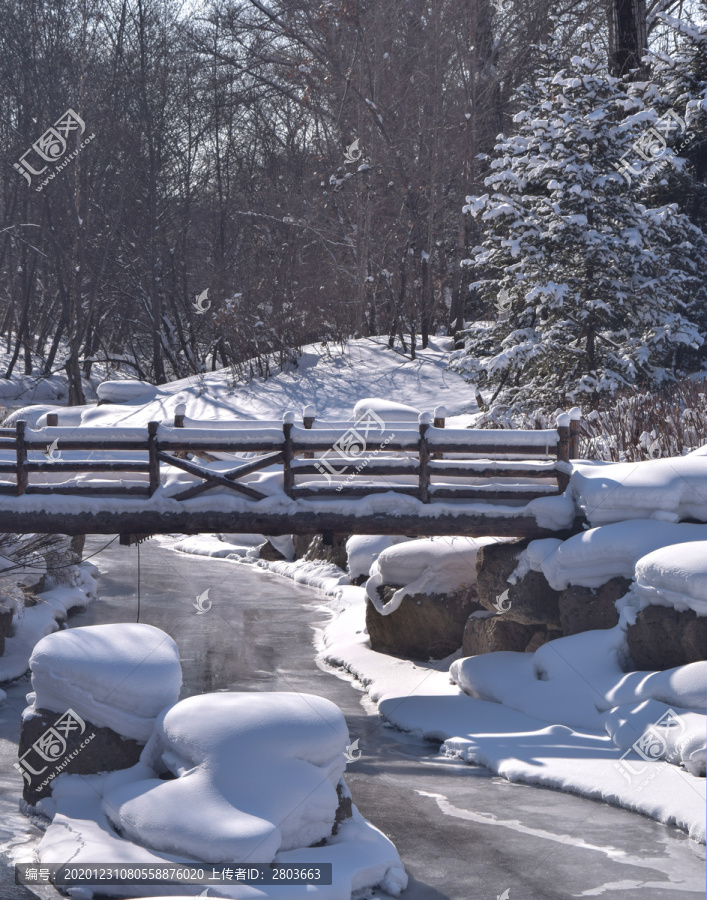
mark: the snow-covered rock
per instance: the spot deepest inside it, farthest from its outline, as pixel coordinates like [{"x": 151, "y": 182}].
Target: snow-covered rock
[
  {"x": 437, "y": 565},
  {"x": 668, "y": 490},
  {"x": 593, "y": 557},
  {"x": 253, "y": 778},
  {"x": 118, "y": 676},
  {"x": 362, "y": 550},
  {"x": 291, "y": 745},
  {"x": 674, "y": 576}
]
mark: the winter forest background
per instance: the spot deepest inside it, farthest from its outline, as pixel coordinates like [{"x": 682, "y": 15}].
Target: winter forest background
[{"x": 515, "y": 174}]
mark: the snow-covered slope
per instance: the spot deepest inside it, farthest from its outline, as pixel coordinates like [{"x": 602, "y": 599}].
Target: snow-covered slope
[{"x": 329, "y": 380}]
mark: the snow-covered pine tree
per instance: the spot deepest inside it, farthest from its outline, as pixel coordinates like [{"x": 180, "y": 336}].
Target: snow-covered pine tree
[
  {"x": 592, "y": 285},
  {"x": 678, "y": 91}
]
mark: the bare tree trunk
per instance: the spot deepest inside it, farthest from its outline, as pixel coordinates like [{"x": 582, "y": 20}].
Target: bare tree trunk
[{"x": 627, "y": 36}]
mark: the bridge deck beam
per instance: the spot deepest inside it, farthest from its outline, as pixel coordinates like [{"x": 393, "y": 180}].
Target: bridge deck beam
[{"x": 197, "y": 522}]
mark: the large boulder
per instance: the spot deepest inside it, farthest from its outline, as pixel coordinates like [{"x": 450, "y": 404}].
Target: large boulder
[
  {"x": 328, "y": 548},
  {"x": 424, "y": 626},
  {"x": 53, "y": 744},
  {"x": 97, "y": 692},
  {"x": 489, "y": 633},
  {"x": 663, "y": 638},
  {"x": 532, "y": 600},
  {"x": 588, "y": 609}
]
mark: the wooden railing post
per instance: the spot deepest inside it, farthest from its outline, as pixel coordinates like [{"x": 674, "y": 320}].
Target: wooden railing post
[
  {"x": 440, "y": 415},
  {"x": 575, "y": 428},
  {"x": 309, "y": 414},
  {"x": 180, "y": 411},
  {"x": 21, "y": 456},
  {"x": 52, "y": 420},
  {"x": 153, "y": 460},
  {"x": 563, "y": 449},
  {"x": 288, "y": 477},
  {"x": 424, "y": 455}
]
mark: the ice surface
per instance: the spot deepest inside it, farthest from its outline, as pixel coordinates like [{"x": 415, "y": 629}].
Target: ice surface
[{"x": 116, "y": 676}]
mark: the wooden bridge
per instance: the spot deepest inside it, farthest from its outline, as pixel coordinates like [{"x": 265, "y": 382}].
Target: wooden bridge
[{"x": 269, "y": 477}]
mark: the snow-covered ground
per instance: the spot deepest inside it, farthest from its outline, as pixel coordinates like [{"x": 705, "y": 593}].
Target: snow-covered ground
[
  {"x": 568, "y": 717},
  {"x": 565, "y": 717},
  {"x": 326, "y": 378}
]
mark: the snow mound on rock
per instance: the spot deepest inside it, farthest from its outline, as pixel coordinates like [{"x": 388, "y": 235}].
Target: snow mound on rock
[
  {"x": 437, "y": 565},
  {"x": 669, "y": 490},
  {"x": 257, "y": 773},
  {"x": 674, "y": 576},
  {"x": 362, "y": 550},
  {"x": 593, "y": 557},
  {"x": 117, "y": 676}
]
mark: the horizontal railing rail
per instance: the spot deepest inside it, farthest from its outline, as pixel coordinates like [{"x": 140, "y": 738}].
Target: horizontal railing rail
[{"x": 337, "y": 459}]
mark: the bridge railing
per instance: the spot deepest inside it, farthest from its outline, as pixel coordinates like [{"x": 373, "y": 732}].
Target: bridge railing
[{"x": 319, "y": 459}]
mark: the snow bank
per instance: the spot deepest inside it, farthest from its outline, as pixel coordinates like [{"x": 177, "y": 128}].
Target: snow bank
[
  {"x": 226, "y": 546},
  {"x": 32, "y": 623},
  {"x": 666, "y": 489},
  {"x": 594, "y": 557},
  {"x": 674, "y": 576},
  {"x": 116, "y": 676},
  {"x": 257, "y": 773},
  {"x": 518, "y": 730},
  {"x": 438, "y": 565}
]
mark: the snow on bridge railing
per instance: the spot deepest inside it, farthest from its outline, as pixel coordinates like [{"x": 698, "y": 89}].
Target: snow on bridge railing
[{"x": 481, "y": 464}]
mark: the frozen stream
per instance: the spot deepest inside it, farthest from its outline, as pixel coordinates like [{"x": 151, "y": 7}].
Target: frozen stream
[{"x": 462, "y": 833}]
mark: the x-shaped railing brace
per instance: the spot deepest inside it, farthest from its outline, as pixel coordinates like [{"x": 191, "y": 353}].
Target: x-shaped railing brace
[{"x": 220, "y": 479}]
